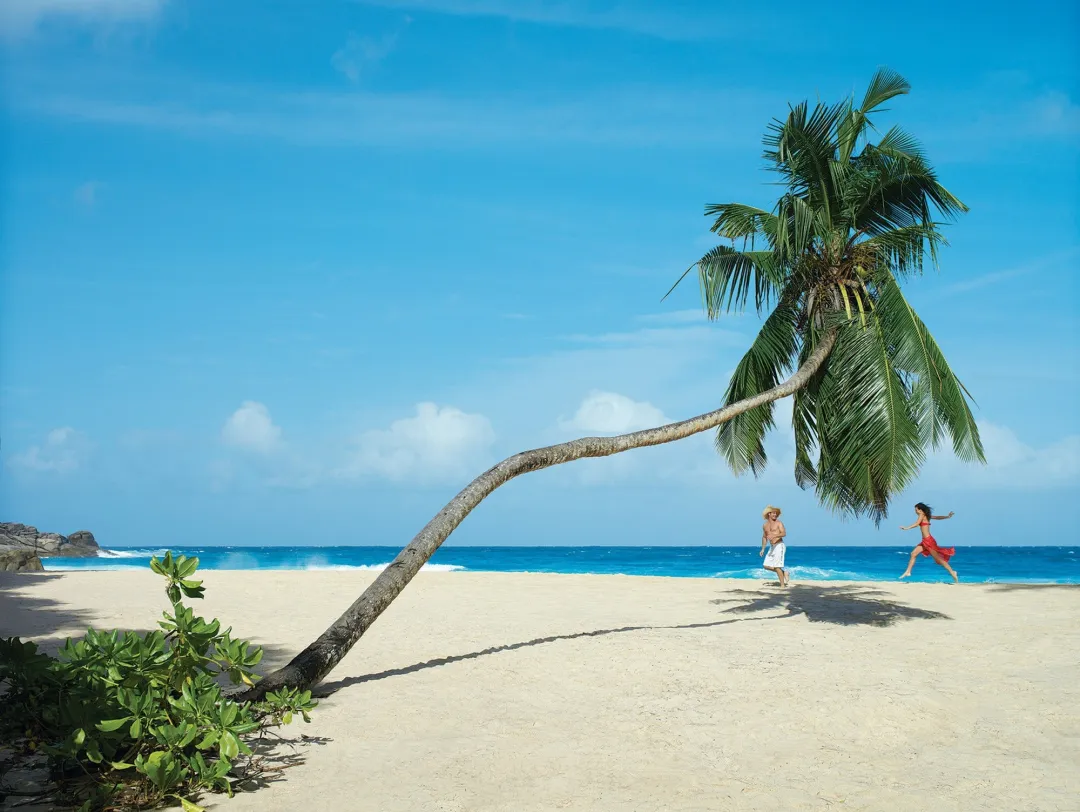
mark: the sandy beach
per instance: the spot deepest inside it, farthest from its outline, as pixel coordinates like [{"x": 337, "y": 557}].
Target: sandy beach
[{"x": 502, "y": 691}]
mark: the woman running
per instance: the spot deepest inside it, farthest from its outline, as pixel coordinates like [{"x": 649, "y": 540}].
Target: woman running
[{"x": 928, "y": 546}]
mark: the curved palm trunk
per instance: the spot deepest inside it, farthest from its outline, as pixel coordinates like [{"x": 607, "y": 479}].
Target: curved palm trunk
[{"x": 312, "y": 665}]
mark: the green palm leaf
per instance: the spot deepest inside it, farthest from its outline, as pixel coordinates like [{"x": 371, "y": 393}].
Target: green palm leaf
[
  {"x": 853, "y": 218},
  {"x": 871, "y": 446},
  {"x": 742, "y": 439},
  {"x": 727, "y": 277},
  {"x": 886, "y": 84},
  {"x": 917, "y": 353}
]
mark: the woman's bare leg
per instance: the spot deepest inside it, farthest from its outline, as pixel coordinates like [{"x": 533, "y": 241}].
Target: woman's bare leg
[
  {"x": 941, "y": 560},
  {"x": 911, "y": 561}
]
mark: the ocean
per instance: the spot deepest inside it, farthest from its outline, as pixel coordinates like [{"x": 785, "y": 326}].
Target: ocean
[{"x": 987, "y": 565}]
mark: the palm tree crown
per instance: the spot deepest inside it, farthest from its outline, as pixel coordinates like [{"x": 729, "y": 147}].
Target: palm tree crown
[{"x": 854, "y": 219}]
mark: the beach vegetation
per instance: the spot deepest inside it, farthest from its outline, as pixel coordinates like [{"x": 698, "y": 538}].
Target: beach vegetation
[{"x": 128, "y": 720}]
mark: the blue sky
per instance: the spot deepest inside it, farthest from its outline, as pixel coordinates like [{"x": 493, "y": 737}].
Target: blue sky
[{"x": 293, "y": 273}]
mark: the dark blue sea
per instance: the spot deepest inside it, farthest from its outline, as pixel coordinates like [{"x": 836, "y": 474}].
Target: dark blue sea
[{"x": 1060, "y": 565}]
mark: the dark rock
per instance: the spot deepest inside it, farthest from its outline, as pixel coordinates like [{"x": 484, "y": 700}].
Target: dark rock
[
  {"x": 80, "y": 543},
  {"x": 19, "y": 561},
  {"x": 25, "y": 537}
]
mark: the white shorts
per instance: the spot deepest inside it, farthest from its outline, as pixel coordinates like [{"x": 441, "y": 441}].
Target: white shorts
[{"x": 775, "y": 556}]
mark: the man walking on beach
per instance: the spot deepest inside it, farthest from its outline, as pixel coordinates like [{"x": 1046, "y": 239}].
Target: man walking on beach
[{"x": 773, "y": 532}]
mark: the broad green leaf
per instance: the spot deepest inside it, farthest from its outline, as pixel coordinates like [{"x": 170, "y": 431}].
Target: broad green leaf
[
  {"x": 93, "y": 752},
  {"x": 229, "y": 746},
  {"x": 110, "y": 725}
]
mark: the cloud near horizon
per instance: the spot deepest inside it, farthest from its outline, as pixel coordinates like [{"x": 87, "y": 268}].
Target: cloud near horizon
[
  {"x": 1010, "y": 463},
  {"x": 251, "y": 428},
  {"x": 63, "y": 451},
  {"x": 437, "y": 443},
  {"x": 612, "y": 413}
]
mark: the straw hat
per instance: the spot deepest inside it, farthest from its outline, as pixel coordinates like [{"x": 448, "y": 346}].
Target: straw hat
[{"x": 770, "y": 509}]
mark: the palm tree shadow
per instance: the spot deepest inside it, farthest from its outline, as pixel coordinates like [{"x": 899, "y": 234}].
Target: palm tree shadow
[
  {"x": 328, "y": 688},
  {"x": 1032, "y": 587},
  {"x": 841, "y": 605},
  {"x": 24, "y": 614}
]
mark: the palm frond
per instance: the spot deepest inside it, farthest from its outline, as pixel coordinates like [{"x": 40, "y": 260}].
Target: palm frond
[
  {"x": 770, "y": 357},
  {"x": 917, "y": 353},
  {"x": 890, "y": 192},
  {"x": 801, "y": 148},
  {"x": 853, "y": 217},
  {"x": 727, "y": 277},
  {"x": 897, "y": 143},
  {"x": 737, "y": 221},
  {"x": 849, "y": 130},
  {"x": 885, "y": 85},
  {"x": 903, "y": 250},
  {"x": 804, "y": 420},
  {"x": 871, "y": 447}
]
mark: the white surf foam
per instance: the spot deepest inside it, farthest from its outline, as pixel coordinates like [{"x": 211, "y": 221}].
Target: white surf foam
[
  {"x": 803, "y": 573},
  {"x": 315, "y": 565}
]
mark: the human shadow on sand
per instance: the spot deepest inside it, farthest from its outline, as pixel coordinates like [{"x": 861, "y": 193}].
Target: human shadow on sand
[
  {"x": 849, "y": 605},
  {"x": 846, "y": 605}
]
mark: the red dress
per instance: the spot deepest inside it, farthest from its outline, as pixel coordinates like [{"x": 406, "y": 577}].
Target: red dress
[{"x": 929, "y": 544}]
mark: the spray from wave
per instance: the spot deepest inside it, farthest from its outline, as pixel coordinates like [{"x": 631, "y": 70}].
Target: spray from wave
[
  {"x": 797, "y": 573},
  {"x": 317, "y": 566}
]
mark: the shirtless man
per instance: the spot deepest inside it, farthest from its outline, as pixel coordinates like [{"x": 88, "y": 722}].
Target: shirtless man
[{"x": 773, "y": 532}]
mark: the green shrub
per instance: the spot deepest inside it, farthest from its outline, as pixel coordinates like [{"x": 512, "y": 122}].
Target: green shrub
[{"x": 134, "y": 720}]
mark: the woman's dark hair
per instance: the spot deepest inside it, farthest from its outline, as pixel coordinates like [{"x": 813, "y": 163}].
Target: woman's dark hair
[{"x": 925, "y": 508}]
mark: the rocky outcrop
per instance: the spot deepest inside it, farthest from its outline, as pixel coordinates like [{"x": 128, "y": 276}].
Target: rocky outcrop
[
  {"x": 12, "y": 560},
  {"x": 23, "y": 537}
]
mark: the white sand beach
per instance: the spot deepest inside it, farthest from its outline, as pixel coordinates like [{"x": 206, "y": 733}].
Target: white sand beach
[{"x": 525, "y": 692}]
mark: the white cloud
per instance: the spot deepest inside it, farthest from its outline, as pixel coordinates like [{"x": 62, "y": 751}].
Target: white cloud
[
  {"x": 63, "y": 451},
  {"x": 612, "y": 413},
  {"x": 359, "y": 53},
  {"x": 1010, "y": 463},
  {"x": 20, "y": 18},
  {"x": 250, "y": 427},
  {"x": 437, "y": 443}
]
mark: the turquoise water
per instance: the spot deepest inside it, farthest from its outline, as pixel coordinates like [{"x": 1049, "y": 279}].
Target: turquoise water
[{"x": 974, "y": 564}]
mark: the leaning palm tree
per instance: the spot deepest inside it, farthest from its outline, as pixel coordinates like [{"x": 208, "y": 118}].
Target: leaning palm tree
[{"x": 872, "y": 390}]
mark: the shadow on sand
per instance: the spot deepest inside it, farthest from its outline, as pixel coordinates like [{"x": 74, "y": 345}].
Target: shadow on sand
[
  {"x": 848, "y": 605},
  {"x": 23, "y": 614},
  {"x": 1031, "y": 587},
  {"x": 843, "y": 605},
  {"x": 50, "y": 622}
]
